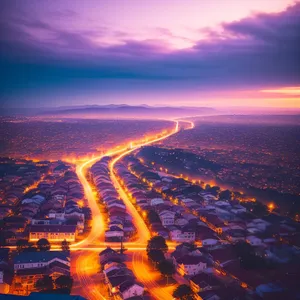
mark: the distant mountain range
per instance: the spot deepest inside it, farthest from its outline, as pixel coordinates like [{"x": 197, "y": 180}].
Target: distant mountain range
[{"x": 126, "y": 111}]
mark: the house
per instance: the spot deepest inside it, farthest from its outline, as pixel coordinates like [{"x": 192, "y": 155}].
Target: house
[
  {"x": 30, "y": 260},
  {"x": 131, "y": 288},
  {"x": 203, "y": 282},
  {"x": 112, "y": 266},
  {"x": 254, "y": 241},
  {"x": 223, "y": 255},
  {"x": 191, "y": 265},
  {"x": 235, "y": 235},
  {"x": 181, "y": 222},
  {"x": 6, "y": 274},
  {"x": 181, "y": 235},
  {"x": 31, "y": 266},
  {"x": 114, "y": 234},
  {"x": 156, "y": 201},
  {"x": 167, "y": 217},
  {"x": 213, "y": 222},
  {"x": 116, "y": 277},
  {"x": 109, "y": 255},
  {"x": 271, "y": 289},
  {"x": 258, "y": 224},
  {"x": 53, "y": 233},
  {"x": 210, "y": 242},
  {"x": 238, "y": 209}
]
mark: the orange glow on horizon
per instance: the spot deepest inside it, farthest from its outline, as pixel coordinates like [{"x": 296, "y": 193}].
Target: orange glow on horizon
[{"x": 286, "y": 90}]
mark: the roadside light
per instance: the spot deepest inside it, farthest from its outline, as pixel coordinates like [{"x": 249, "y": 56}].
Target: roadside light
[{"x": 271, "y": 206}]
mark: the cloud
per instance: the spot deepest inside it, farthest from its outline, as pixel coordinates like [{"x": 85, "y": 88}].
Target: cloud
[{"x": 261, "y": 50}]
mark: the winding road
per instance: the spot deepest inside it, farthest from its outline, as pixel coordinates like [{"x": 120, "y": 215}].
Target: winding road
[{"x": 84, "y": 260}]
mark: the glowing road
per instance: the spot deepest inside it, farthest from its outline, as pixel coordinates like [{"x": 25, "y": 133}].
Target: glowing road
[
  {"x": 85, "y": 261},
  {"x": 142, "y": 229},
  {"x": 96, "y": 235}
]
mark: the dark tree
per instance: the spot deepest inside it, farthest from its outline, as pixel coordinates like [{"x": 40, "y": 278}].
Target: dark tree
[
  {"x": 166, "y": 268},
  {"x": 156, "y": 256},
  {"x": 157, "y": 243},
  {"x": 87, "y": 213},
  {"x": 183, "y": 292},
  {"x": 2, "y": 225},
  {"x": 21, "y": 245},
  {"x": 44, "y": 284},
  {"x": 226, "y": 195},
  {"x": 64, "y": 281},
  {"x": 30, "y": 248},
  {"x": 190, "y": 246},
  {"x": 152, "y": 217},
  {"x": 43, "y": 245},
  {"x": 2, "y": 238},
  {"x": 65, "y": 246},
  {"x": 215, "y": 190},
  {"x": 248, "y": 258}
]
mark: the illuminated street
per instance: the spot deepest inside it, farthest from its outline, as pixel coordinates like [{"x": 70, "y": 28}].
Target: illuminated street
[{"x": 86, "y": 260}]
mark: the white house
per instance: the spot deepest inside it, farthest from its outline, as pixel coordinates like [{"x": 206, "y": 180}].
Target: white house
[
  {"x": 238, "y": 209},
  {"x": 191, "y": 265},
  {"x": 30, "y": 260},
  {"x": 177, "y": 235},
  {"x": 156, "y": 201},
  {"x": 114, "y": 231},
  {"x": 209, "y": 242},
  {"x": 181, "y": 222},
  {"x": 167, "y": 217}
]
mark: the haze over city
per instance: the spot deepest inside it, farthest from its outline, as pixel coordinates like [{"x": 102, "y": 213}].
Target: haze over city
[{"x": 150, "y": 149}]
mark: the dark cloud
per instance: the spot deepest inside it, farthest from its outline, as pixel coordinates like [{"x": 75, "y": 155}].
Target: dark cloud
[{"x": 262, "y": 50}]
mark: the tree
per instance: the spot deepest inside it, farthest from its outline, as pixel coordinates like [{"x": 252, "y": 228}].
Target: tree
[
  {"x": 43, "y": 245},
  {"x": 166, "y": 268},
  {"x": 65, "y": 246},
  {"x": 30, "y": 248},
  {"x": 153, "y": 217},
  {"x": 248, "y": 258},
  {"x": 2, "y": 238},
  {"x": 183, "y": 292},
  {"x": 44, "y": 284},
  {"x": 21, "y": 245},
  {"x": 190, "y": 246},
  {"x": 87, "y": 213},
  {"x": 157, "y": 243},
  {"x": 156, "y": 256},
  {"x": 64, "y": 281},
  {"x": 226, "y": 195}
]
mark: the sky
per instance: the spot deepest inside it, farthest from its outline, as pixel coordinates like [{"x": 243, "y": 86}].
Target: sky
[{"x": 214, "y": 53}]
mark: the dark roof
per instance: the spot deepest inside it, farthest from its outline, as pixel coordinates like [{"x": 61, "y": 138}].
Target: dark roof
[
  {"x": 127, "y": 284},
  {"x": 203, "y": 280},
  {"x": 26, "y": 257},
  {"x": 223, "y": 254},
  {"x": 191, "y": 260},
  {"x": 4, "y": 254},
  {"x": 117, "y": 281},
  {"x": 106, "y": 251},
  {"x": 53, "y": 228}
]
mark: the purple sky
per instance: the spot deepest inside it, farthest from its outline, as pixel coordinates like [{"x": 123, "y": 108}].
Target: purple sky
[{"x": 156, "y": 52}]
